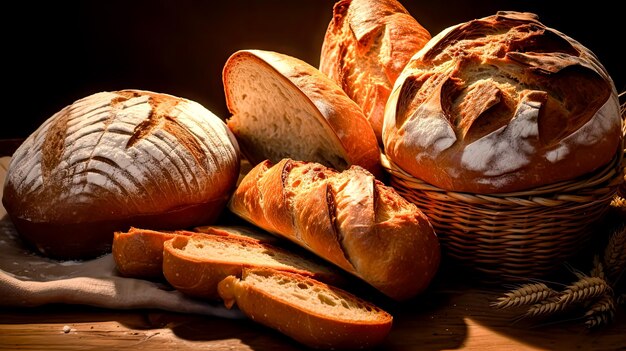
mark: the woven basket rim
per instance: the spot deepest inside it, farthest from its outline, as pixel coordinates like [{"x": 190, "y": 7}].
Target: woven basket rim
[{"x": 604, "y": 179}]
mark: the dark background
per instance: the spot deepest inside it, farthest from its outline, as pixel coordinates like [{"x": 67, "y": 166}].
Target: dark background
[{"x": 57, "y": 52}]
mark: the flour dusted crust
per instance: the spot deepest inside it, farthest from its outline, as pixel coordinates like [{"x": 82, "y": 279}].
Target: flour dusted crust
[
  {"x": 501, "y": 104},
  {"x": 366, "y": 46},
  {"x": 118, "y": 159}
]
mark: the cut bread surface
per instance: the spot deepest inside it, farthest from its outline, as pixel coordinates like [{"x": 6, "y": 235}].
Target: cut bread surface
[
  {"x": 313, "y": 313},
  {"x": 312, "y": 296},
  {"x": 274, "y": 119}
]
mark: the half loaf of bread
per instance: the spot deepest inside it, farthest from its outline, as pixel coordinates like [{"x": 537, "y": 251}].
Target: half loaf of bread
[
  {"x": 313, "y": 313},
  {"x": 348, "y": 218},
  {"x": 283, "y": 107}
]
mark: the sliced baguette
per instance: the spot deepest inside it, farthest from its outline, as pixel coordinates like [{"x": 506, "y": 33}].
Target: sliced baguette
[
  {"x": 138, "y": 253},
  {"x": 239, "y": 231},
  {"x": 195, "y": 264},
  {"x": 312, "y": 313},
  {"x": 283, "y": 107}
]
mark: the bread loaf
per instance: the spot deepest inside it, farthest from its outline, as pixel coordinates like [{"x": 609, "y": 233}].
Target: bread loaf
[
  {"x": 195, "y": 264},
  {"x": 366, "y": 46},
  {"x": 113, "y": 160},
  {"x": 348, "y": 218},
  {"x": 313, "y": 313},
  {"x": 282, "y": 107},
  {"x": 502, "y": 104}
]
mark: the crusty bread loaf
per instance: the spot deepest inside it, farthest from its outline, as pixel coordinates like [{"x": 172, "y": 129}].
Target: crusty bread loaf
[
  {"x": 283, "y": 107},
  {"x": 502, "y": 104},
  {"x": 348, "y": 218},
  {"x": 313, "y": 313},
  {"x": 366, "y": 46},
  {"x": 195, "y": 264},
  {"x": 113, "y": 160}
]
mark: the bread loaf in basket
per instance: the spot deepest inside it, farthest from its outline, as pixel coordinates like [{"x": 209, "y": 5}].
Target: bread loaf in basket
[{"x": 507, "y": 133}]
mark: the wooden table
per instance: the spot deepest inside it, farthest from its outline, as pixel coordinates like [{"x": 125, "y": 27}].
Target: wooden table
[{"x": 454, "y": 314}]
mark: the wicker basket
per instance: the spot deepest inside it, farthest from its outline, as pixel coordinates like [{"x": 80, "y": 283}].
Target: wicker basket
[{"x": 513, "y": 236}]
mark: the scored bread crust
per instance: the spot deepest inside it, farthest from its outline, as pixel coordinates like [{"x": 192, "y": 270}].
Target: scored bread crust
[
  {"x": 502, "y": 104},
  {"x": 366, "y": 46},
  {"x": 198, "y": 273},
  {"x": 118, "y": 159},
  {"x": 293, "y": 317},
  {"x": 345, "y": 127},
  {"x": 348, "y": 218}
]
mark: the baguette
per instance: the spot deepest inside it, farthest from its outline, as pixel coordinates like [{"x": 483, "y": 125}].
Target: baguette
[
  {"x": 366, "y": 46},
  {"x": 195, "y": 264},
  {"x": 312, "y": 313},
  {"x": 348, "y": 218}
]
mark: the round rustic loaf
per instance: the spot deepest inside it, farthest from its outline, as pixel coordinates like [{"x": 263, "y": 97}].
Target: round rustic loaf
[
  {"x": 114, "y": 160},
  {"x": 502, "y": 104}
]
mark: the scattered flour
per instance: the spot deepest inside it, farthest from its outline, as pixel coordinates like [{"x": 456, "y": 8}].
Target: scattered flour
[{"x": 508, "y": 148}]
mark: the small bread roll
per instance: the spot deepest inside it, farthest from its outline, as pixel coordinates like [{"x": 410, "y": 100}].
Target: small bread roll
[{"x": 114, "y": 160}]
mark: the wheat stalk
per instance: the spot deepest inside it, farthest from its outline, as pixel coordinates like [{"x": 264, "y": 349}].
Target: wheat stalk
[
  {"x": 597, "y": 270},
  {"x": 524, "y": 295},
  {"x": 621, "y": 299},
  {"x": 618, "y": 202},
  {"x": 583, "y": 289},
  {"x": 615, "y": 254},
  {"x": 601, "y": 312},
  {"x": 549, "y": 306}
]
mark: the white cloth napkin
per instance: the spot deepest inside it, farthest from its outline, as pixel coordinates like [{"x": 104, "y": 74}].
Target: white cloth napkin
[{"x": 30, "y": 280}]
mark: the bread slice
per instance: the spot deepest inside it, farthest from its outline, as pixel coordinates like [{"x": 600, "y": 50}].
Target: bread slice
[
  {"x": 195, "y": 264},
  {"x": 313, "y": 313},
  {"x": 283, "y": 107},
  {"x": 138, "y": 253},
  {"x": 240, "y": 232}
]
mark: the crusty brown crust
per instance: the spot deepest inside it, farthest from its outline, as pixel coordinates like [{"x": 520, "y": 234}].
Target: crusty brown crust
[
  {"x": 138, "y": 253},
  {"x": 89, "y": 239},
  {"x": 337, "y": 112},
  {"x": 118, "y": 159},
  {"x": 356, "y": 222},
  {"x": 366, "y": 46},
  {"x": 502, "y": 104},
  {"x": 305, "y": 325}
]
